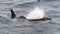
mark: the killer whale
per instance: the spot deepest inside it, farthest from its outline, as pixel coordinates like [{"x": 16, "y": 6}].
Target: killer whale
[{"x": 13, "y": 15}]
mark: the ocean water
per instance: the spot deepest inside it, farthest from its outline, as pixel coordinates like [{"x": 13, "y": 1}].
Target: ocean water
[{"x": 22, "y": 26}]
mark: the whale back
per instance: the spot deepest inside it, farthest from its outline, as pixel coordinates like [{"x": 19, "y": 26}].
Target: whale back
[{"x": 43, "y": 19}]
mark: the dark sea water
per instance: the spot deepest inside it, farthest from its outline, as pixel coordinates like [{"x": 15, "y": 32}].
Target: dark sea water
[{"x": 22, "y": 26}]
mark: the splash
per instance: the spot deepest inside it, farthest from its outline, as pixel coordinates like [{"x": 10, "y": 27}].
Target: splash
[{"x": 36, "y": 13}]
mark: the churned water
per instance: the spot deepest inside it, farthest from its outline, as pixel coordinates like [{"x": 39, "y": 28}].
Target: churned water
[{"x": 22, "y": 26}]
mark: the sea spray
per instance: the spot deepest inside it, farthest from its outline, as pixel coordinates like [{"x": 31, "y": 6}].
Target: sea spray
[{"x": 36, "y": 13}]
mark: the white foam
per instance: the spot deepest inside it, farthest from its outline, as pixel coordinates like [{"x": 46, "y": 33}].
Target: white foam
[{"x": 35, "y": 14}]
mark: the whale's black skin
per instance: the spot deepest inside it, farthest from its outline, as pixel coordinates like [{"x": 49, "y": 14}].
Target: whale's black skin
[
  {"x": 13, "y": 15},
  {"x": 43, "y": 19},
  {"x": 22, "y": 17}
]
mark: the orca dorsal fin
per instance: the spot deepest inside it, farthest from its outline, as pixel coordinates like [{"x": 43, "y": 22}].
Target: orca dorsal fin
[{"x": 13, "y": 15}]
